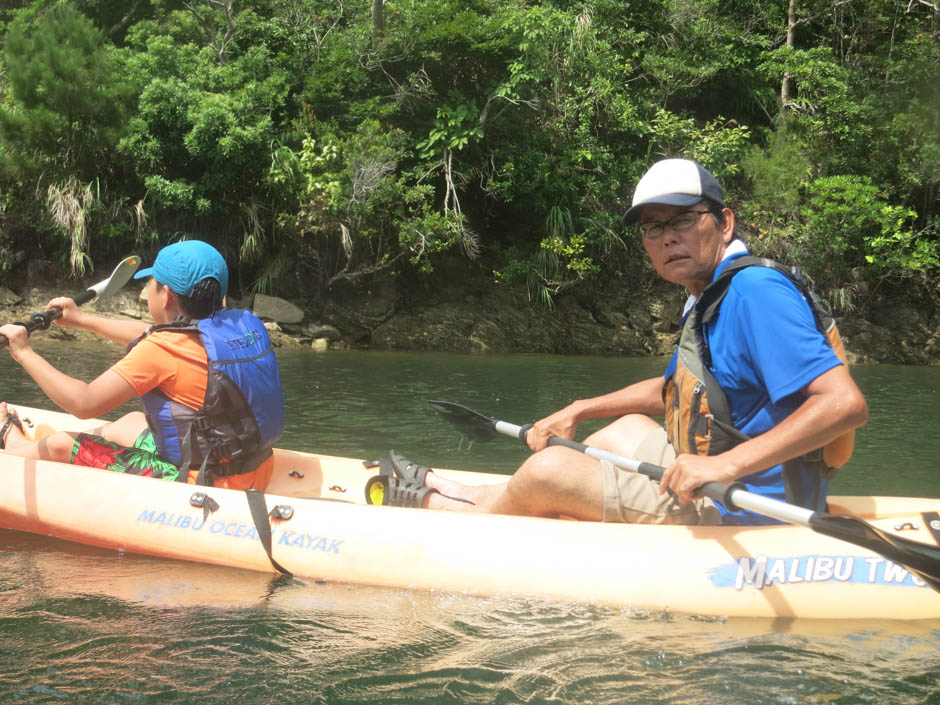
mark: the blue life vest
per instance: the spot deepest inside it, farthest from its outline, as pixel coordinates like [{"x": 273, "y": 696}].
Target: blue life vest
[{"x": 243, "y": 412}]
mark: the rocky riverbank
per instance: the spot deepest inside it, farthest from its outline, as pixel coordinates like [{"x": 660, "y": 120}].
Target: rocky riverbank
[{"x": 484, "y": 318}]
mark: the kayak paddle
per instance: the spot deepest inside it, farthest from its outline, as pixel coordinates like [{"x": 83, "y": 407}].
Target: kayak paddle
[
  {"x": 920, "y": 558},
  {"x": 119, "y": 277}
]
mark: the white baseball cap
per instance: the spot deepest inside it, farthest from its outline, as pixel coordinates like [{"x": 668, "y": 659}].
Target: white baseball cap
[{"x": 674, "y": 182}]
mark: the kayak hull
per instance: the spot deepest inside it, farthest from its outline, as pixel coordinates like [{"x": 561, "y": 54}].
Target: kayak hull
[{"x": 331, "y": 535}]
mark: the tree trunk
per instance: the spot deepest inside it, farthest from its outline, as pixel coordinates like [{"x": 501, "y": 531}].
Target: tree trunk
[
  {"x": 785, "y": 87},
  {"x": 378, "y": 17}
]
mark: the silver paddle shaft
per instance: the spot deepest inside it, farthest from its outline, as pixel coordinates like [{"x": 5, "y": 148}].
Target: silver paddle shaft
[{"x": 734, "y": 495}]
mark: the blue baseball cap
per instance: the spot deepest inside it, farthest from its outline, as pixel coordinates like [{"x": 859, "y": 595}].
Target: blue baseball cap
[
  {"x": 184, "y": 264},
  {"x": 674, "y": 182}
]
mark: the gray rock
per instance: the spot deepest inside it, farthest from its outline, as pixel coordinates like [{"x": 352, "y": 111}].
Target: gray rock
[
  {"x": 272, "y": 308},
  {"x": 321, "y": 330},
  {"x": 279, "y": 338},
  {"x": 486, "y": 337},
  {"x": 9, "y": 298},
  {"x": 126, "y": 302}
]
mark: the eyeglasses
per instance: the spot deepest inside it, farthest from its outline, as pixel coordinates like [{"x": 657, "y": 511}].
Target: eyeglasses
[{"x": 654, "y": 229}]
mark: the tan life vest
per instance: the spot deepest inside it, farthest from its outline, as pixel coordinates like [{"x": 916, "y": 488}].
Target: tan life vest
[{"x": 698, "y": 417}]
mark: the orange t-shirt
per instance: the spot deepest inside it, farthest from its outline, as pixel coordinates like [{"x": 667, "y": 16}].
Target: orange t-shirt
[
  {"x": 171, "y": 361},
  {"x": 176, "y": 363}
]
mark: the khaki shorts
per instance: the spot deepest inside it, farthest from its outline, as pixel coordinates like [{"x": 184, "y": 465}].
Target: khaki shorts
[{"x": 634, "y": 498}]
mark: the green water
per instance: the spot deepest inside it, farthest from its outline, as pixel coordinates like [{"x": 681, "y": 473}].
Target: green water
[{"x": 82, "y": 625}]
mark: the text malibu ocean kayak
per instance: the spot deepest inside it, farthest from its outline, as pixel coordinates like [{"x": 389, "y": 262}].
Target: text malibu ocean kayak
[{"x": 771, "y": 571}]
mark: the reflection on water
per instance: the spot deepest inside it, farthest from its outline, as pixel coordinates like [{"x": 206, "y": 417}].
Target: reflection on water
[{"x": 82, "y": 625}]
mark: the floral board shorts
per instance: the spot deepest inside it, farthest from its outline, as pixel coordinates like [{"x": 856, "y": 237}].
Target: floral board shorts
[{"x": 141, "y": 459}]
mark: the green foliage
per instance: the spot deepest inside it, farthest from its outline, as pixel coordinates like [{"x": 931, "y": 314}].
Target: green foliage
[
  {"x": 717, "y": 145},
  {"x": 427, "y": 232},
  {"x": 457, "y": 124},
  {"x": 840, "y": 216},
  {"x": 201, "y": 136},
  {"x": 64, "y": 109},
  {"x": 350, "y": 199},
  {"x": 313, "y": 149},
  {"x": 778, "y": 172},
  {"x": 846, "y": 235},
  {"x": 568, "y": 253},
  {"x": 898, "y": 248}
]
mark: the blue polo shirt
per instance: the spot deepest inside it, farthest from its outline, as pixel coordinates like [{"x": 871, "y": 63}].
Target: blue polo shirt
[{"x": 765, "y": 348}]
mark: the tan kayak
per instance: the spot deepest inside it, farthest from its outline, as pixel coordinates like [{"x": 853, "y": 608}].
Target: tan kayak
[{"x": 322, "y": 529}]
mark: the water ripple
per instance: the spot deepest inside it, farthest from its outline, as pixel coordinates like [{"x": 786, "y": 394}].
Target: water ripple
[{"x": 82, "y": 625}]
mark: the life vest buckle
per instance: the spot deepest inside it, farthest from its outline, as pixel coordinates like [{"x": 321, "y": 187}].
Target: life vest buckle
[{"x": 230, "y": 449}]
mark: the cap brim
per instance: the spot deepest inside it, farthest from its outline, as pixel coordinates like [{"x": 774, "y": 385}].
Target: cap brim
[
  {"x": 667, "y": 199},
  {"x": 148, "y": 272}
]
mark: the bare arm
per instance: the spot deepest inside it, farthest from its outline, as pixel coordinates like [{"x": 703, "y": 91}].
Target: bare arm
[
  {"x": 118, "y": 331},
  {"x": 83, "y": 400},
  {"x": 834, "y": 405},
  {"x": 643, "y": 397}
]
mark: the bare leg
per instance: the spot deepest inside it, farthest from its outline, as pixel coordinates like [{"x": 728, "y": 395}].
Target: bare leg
[
  {"x": 624, "y": 435},
  {"x": 57, "y": 447},
  {"x": 555, "y": 481},
  {"x": 126, "y": 430},
  {"x": 549, "y": 483}
]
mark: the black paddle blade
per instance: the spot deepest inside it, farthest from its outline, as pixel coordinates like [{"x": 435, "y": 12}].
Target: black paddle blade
[
  {"x": 470, "y": 423},
  {"x": 920, "y": 558}
]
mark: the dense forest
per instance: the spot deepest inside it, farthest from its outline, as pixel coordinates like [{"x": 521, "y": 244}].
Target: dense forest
[{"x": 325, "y": 141}]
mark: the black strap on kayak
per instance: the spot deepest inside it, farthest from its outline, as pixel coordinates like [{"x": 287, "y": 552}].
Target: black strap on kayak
[{"x": 259, "y": 515}]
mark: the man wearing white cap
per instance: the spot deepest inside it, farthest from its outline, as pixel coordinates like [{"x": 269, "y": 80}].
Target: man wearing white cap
[
  {"x": 757, "y": 394},
  {"x": 207, "y": 377}
]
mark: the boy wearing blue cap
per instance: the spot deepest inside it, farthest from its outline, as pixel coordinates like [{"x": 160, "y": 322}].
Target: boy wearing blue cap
[{"x": 207, "y": 377}]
